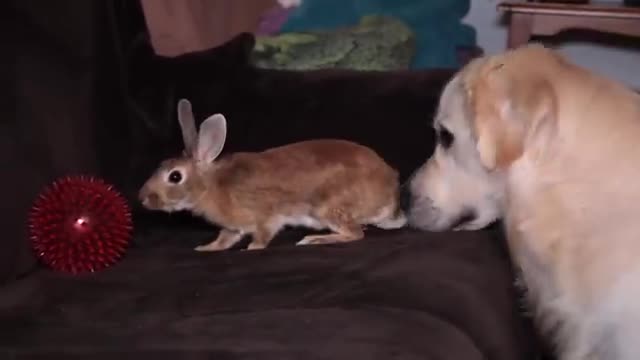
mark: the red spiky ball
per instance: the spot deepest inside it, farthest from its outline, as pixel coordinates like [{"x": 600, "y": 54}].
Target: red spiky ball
[{"x": 80, "y": 224}]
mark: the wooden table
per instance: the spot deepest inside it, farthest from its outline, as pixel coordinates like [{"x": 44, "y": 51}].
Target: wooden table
[{"x": 534, "y": 18}]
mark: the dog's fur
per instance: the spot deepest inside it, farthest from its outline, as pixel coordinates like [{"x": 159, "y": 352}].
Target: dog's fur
[{"x": 554, "y": 150}]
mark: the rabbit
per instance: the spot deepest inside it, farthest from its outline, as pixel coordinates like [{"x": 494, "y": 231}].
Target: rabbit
[{"x": 318, "y": 184}]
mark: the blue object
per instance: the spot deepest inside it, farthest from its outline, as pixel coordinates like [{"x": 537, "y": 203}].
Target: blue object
[{"x": 436, "y": 23}]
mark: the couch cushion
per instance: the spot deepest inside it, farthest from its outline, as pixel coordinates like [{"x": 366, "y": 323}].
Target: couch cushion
[{"x": 395, "y": 295}]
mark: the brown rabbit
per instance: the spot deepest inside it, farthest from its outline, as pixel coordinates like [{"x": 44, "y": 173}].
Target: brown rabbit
[{"x": 320, "y": 184}]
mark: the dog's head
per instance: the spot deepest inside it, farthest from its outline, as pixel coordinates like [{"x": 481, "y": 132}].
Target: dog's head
[{"x": 487, "y": 114}]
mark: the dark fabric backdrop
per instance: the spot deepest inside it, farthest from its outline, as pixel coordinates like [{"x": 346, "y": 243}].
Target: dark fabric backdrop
[{"x": 64, "y": 110}]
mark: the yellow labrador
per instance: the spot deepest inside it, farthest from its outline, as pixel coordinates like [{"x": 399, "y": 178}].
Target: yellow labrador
[{"x": 553, "y": 150}]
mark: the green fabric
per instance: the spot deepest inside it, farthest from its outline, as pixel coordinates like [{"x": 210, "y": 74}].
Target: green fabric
[{"x": 376, "y": 43}]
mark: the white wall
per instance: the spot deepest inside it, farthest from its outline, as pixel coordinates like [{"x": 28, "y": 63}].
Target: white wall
[{"x": 617, "y": 63}]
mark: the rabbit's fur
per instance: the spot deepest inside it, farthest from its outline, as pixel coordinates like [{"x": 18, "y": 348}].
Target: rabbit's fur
[{"x": 320, "y": 184}]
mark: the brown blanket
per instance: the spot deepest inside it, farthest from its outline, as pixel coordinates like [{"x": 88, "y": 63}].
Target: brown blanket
[{"x": 394, "y": 295}]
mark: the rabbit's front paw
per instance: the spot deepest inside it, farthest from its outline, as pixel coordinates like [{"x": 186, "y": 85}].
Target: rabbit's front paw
[
  {"x": 256, "y": 246},
  {"x": 305, "y": 241},
  {"x": 316, "y": 240},
  {"x": 225, "y": 240},
  {"x": 209, "y": 247}
]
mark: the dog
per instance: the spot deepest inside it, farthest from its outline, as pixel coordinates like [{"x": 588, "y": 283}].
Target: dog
[{"x": 553, "y": 151}]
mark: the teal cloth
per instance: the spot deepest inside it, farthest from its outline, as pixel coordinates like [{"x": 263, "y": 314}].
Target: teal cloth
[{"x": 436, "y": 24}]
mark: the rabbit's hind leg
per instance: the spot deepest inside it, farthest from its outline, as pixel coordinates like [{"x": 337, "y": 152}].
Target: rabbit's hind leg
[
  {"x": 388, "y": 217},
  {"x": 393, "y": 222},
  {"x": 340, "y": 222}
]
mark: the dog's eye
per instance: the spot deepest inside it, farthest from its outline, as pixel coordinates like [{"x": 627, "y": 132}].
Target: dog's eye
[
  {"x": 175, "y": 177},
  {"x": 445, "y": 137}
]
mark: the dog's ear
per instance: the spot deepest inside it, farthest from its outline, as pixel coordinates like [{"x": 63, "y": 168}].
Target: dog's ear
[{"x": 505, "y": 103}]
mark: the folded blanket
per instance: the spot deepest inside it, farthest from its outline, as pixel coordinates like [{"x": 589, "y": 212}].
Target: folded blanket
[
  {"x": 437, "y": 24},
  {"x": 375, "y": 43}
]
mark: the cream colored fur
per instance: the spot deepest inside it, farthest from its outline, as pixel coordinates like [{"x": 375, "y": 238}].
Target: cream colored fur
[{"x": 554, "y": 150}]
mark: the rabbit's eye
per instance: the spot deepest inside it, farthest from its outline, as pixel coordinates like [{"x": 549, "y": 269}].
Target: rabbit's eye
[{"x": 175, "y": 177}]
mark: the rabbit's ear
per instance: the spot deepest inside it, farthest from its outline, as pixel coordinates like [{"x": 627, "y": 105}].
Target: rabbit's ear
[
  {"x": 213, "y": 133},
  {"x": 188, "y": 126}
]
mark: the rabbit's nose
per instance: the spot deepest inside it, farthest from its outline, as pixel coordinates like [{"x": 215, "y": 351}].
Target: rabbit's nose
[
  {"x": 148, "y": 198},
  {"x": 142, "y": 194}
]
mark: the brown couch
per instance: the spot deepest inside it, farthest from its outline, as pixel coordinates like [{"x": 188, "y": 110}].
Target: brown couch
[{"x": 92, "y": 97}]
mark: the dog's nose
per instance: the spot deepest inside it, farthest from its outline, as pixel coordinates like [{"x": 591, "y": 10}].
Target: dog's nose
[{"x": 406, "y": 198}]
